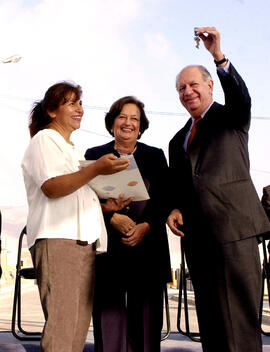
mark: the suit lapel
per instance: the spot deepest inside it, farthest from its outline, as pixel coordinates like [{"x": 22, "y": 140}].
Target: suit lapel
[
  {"x": 181, "y": 139},
  {"x": 182, "y": 134}
]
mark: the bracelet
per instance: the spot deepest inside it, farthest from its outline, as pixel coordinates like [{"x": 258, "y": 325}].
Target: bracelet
[{"x": 220, "y": 61}]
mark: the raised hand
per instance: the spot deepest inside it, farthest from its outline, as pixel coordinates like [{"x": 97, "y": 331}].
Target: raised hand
[{"x": 211, "y": 39}]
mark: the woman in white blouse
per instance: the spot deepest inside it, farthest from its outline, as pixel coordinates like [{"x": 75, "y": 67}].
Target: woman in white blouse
[{"x": 65, "y": 222}]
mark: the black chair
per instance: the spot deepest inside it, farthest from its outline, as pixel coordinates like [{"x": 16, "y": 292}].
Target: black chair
[
  {"x": 265, "y": 279},
  {"x": 25, "y": 273},
  {"x": 183, "y": 297},
  {"x": 168, "y": 321}
]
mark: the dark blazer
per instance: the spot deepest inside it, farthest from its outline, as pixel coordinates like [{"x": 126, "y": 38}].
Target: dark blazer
[
  {"x": 212, "y": 181},
  {"x": 151, "y": 256}
]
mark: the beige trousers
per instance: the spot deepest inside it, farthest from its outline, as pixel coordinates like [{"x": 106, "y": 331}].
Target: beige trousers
[{"x": 65, "y": 277}]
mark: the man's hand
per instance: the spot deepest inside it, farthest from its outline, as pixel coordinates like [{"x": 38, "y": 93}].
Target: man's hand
[
  {"x": 211, "y": 39},
  {"x": 113, "y": 204},
  {"x": 175, "y": 220}
]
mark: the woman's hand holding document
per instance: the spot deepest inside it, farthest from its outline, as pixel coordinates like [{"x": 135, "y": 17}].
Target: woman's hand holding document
[{"x": 128, "y": 182}]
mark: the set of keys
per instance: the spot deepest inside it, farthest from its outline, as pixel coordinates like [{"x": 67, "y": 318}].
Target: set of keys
[{"x": 196, "y": 38}]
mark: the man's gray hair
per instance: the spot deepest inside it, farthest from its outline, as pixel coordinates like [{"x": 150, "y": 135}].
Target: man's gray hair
[{"x": 205, "y": 74}]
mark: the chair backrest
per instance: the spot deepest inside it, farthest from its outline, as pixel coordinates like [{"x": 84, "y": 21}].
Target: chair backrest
[
  {"x": 29, "y": 272},
  {"x": 23, "y": 232}
]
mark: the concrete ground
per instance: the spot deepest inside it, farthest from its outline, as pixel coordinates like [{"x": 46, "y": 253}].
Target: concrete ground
[{"x": 32, "y": 320}]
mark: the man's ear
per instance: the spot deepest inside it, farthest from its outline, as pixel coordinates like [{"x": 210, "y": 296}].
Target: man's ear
[{"x": 211, "y": 85}]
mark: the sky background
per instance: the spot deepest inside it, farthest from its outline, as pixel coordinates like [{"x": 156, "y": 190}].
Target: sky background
[{"x": 114, "y": 48}]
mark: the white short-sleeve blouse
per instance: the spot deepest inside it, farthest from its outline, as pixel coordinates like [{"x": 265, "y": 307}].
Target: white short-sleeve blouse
[{"x": 76, "y": 216}]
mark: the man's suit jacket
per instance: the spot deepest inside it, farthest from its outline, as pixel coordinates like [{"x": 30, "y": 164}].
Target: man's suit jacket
[{"x": 211, "y": 181}]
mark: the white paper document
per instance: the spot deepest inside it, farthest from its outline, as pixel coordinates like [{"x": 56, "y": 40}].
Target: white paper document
[{"x": 128, "y": 182}]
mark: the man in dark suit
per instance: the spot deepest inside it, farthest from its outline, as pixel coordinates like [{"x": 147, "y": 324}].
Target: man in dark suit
[{"x": 215, "y": 206}]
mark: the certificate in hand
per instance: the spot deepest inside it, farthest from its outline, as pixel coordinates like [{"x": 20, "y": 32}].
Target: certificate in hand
[{"x": 128, "y": 182}]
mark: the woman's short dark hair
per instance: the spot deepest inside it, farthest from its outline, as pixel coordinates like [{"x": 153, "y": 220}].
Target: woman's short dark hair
[
  {"x": 116, "y": 108},
  {"x": 55, "y": 96}
]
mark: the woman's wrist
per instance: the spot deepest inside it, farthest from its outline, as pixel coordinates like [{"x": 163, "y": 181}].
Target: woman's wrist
[
  {"x": 146, "y": 226},
  {"x": 113, "y": 217},
  {"x": 106, "y": 209}
]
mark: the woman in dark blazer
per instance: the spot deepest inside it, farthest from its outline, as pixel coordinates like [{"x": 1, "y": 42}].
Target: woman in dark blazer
[{"x": 130, "y": 277}]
